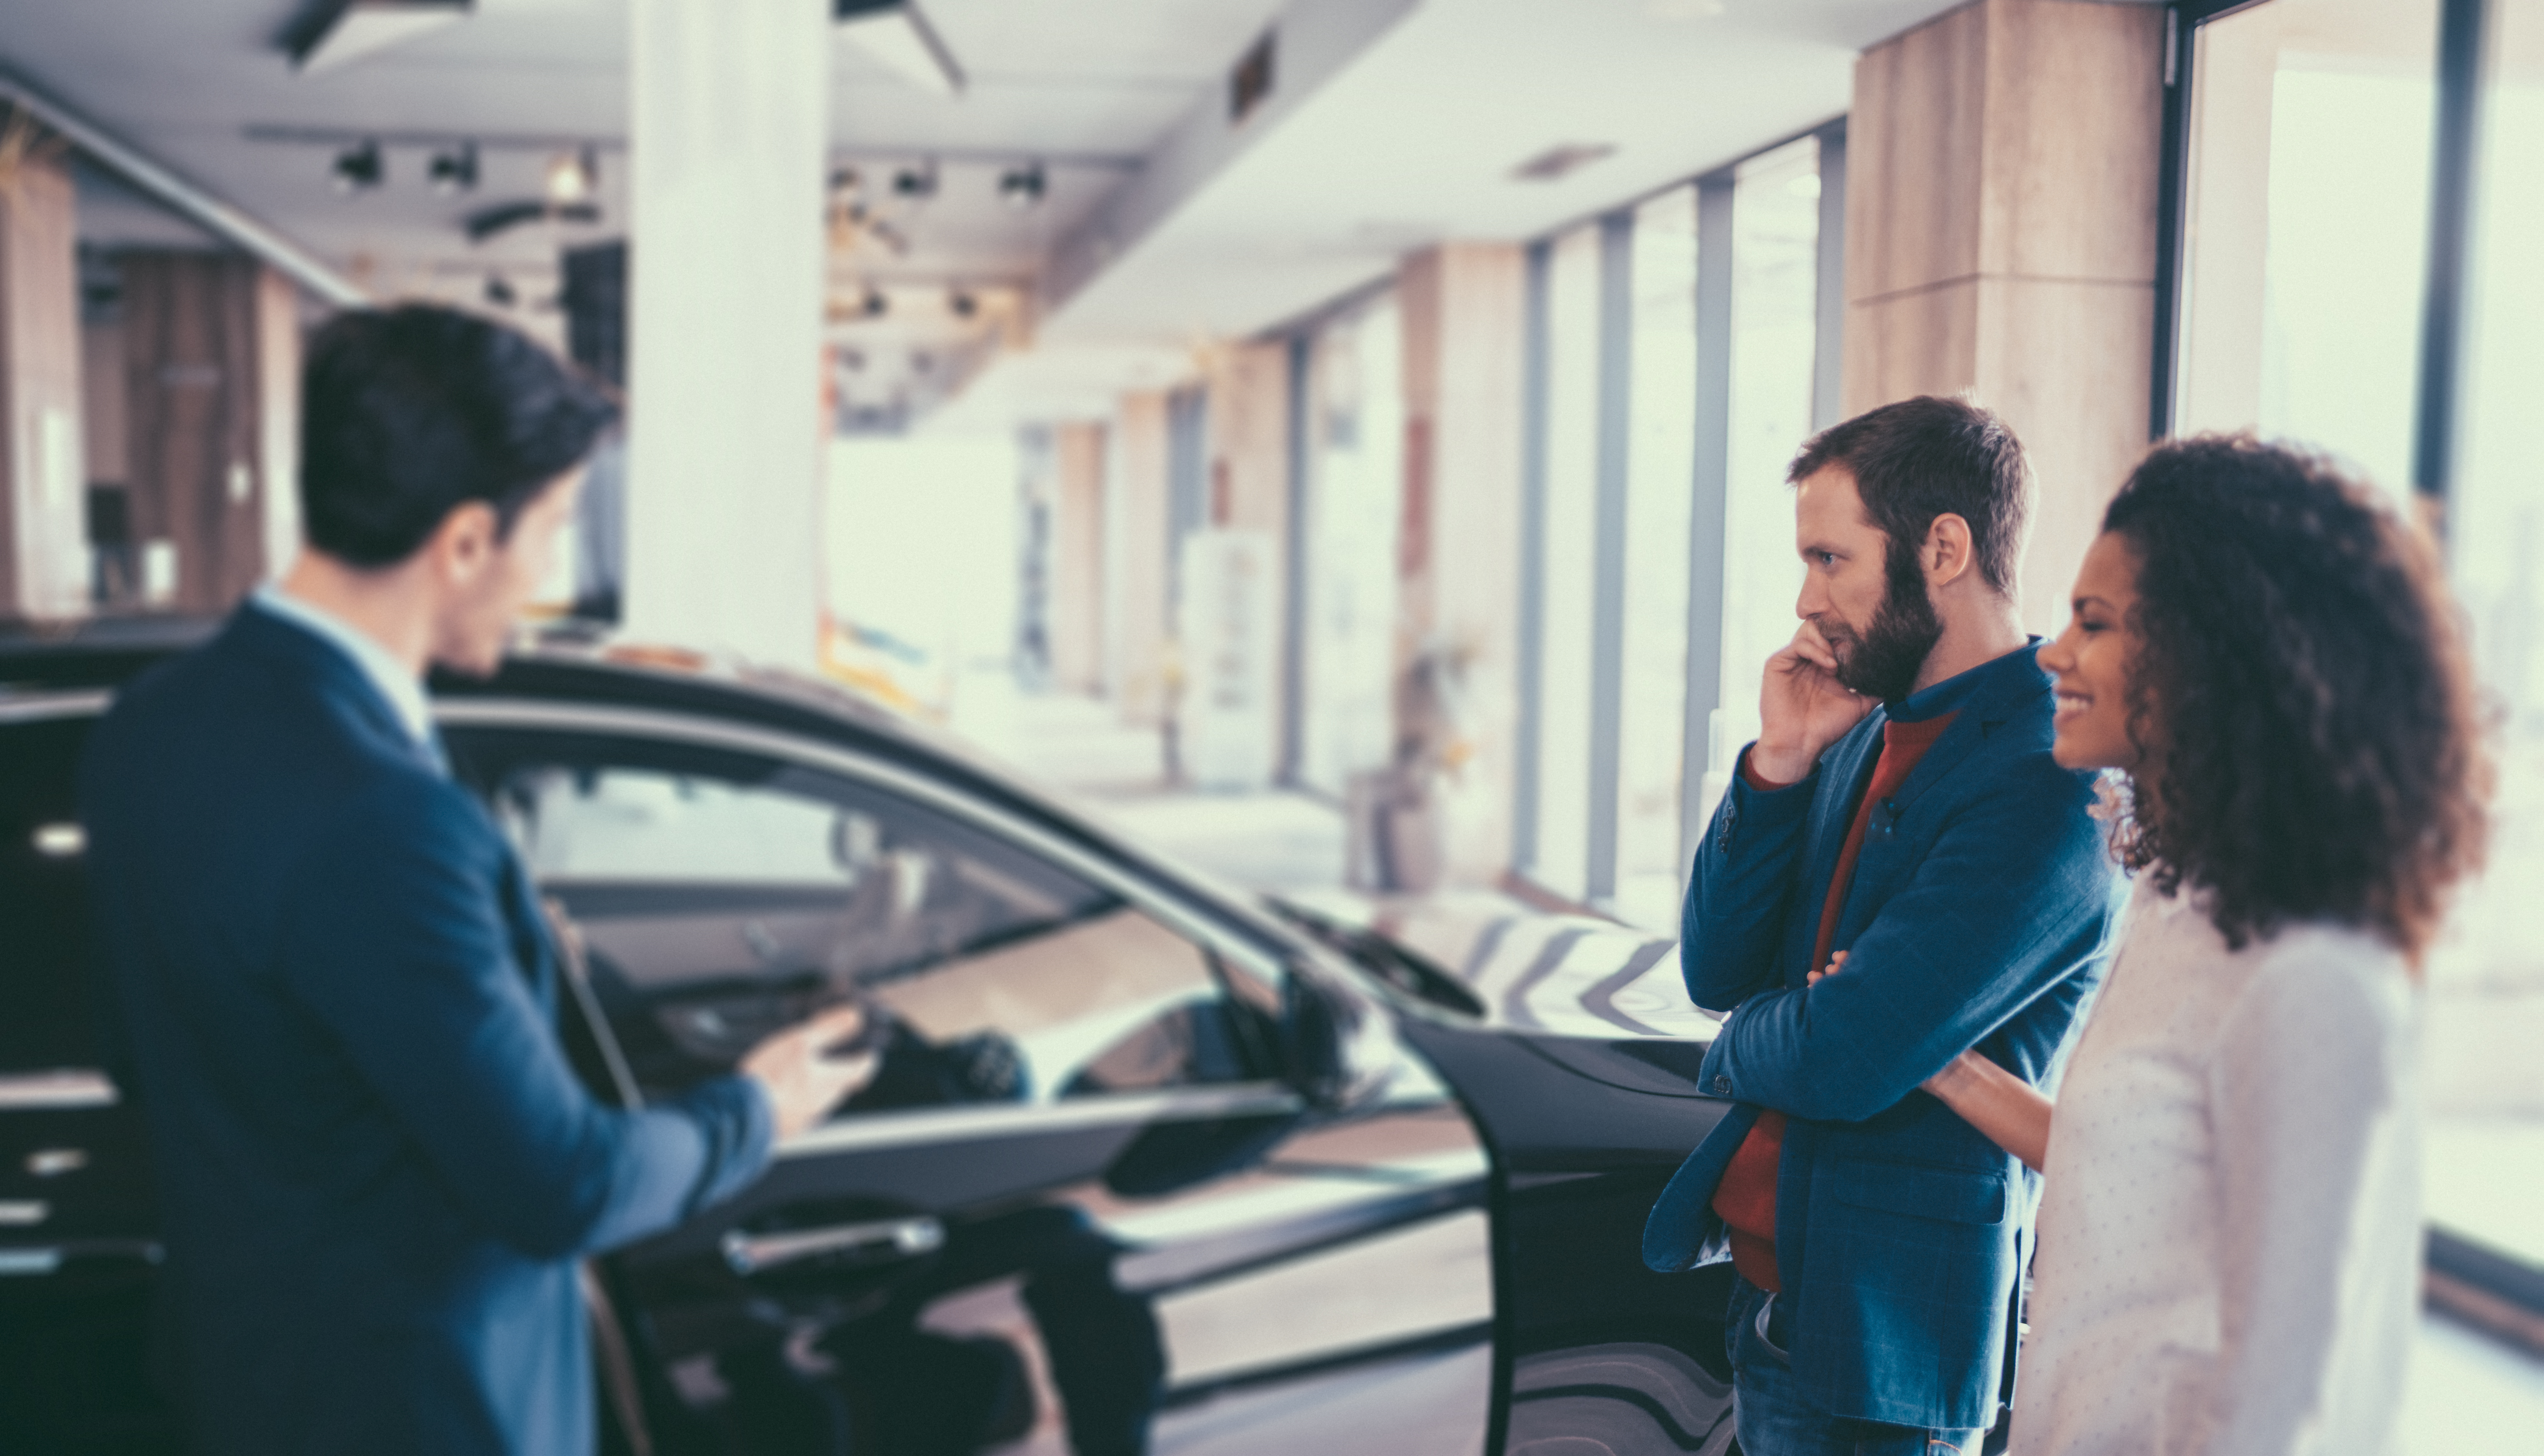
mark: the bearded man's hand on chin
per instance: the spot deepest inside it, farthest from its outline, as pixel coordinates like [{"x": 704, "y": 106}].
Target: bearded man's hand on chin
[{"x": 1803, "y": 708}]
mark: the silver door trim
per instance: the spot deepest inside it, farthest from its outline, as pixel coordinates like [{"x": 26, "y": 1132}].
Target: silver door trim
[
  {"x": 38, "y": 707},
  {"x": 58, "y": 1090},
  {"x": 866, "y": 1131}
]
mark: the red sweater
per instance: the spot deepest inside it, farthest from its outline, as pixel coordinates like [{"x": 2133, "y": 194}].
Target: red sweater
[{"x": 1746, "y": 1197}]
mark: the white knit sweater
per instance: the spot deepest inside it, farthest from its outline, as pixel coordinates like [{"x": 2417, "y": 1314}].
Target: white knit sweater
[{"x": 2230, "y": 1234}]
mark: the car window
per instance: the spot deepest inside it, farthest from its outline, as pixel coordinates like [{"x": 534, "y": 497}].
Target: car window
[{"x": 720, "y": 896}]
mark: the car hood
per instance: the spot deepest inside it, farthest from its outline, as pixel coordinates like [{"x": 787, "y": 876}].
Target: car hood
[{"x": 1560, "y": 975}]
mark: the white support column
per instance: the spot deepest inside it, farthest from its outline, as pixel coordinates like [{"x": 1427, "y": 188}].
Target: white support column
[{"x": 728, "y": 140}]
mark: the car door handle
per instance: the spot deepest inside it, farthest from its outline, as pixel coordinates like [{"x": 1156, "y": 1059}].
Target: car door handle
[{"x": 893, "y": 1238}]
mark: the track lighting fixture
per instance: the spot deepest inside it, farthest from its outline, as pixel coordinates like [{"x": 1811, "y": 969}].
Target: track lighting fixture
[
  {"x": 454, "y": 169},
  {"x": 917, "y": 183},
  {"x": 876, "y": 303},
  {"x": 1021, "y": 187},
  {"x": 961, "y": 304},
  {"x": 357, "y": 167}
]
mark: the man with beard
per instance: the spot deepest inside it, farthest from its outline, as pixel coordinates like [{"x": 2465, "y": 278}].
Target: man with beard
[{"x": 1900, "y": 806}]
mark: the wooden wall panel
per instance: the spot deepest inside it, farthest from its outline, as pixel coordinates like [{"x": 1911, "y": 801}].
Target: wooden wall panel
[
  {"x": 194, "y": 397},
  {"x": 43, "y": 561},
  {"x": 1136, "y": 553},
  {"x": 1078, "y": 559},
  {"x": 1464, "y": 307}
]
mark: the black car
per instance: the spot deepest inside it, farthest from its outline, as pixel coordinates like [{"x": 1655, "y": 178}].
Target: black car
[{"x": 1150, "y": 1165}]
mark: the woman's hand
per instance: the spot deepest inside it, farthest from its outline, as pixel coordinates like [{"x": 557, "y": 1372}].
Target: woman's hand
[{"x": 2010, "y": 1110}]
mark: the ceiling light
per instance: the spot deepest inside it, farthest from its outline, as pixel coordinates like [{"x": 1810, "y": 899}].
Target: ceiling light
[
  {"x": 1021, "y": 187},
  {"x": 1556, "y": 163},
  {"x": 894, "y": 32},
  {"x": 917, "y": 181},
  {"x": 453, "y": 171},
  {"x": 334, "y": 34},
  {"x": 962, "y": 304},
  {"x": 876, "y": 304},
  {"x": 357, "y": 167},
  {"x": 573, "y": 176}
]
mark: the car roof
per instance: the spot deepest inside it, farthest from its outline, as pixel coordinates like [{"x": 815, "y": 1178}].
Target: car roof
[{"x": 104, "y": 653}]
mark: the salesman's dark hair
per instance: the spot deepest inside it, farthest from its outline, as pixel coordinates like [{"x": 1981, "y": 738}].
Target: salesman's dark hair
[
  {"x": 2302, "y": 698},
  {"x": 409, "y": 413},
  {"x": 1930, "y": 456}
]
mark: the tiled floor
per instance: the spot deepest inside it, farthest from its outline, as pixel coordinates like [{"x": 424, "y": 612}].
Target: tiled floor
[{"x": 2470, "y": 1395}]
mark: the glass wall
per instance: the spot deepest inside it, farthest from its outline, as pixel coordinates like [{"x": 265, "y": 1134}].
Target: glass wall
[
  {"x": 2487, "y": 1001},
  {"x": 1707, "y": 522},
  {"x": 2300, "y": 297},
  {"x": 1355, "y": 498},
  {"x": 2318, "y": 170},
  {"x": 1661, "y": 470},
  {"x": 1563, "y": 859},
  {"x": 1775, "y": 263}
]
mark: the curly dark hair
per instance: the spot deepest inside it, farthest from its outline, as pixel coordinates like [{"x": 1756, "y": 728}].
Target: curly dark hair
[{"x": 2302, "y": 695}]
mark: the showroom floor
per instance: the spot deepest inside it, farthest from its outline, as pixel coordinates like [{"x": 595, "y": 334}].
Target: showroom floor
[{"x": 2471, "y": 1396}]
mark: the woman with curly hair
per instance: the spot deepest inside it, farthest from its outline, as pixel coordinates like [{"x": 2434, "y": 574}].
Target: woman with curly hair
[{"x": 2229, "y": 1240}]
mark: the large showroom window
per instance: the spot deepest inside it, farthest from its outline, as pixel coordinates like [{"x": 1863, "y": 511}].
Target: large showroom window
[
  {"x": 1354, "y": 496},
  {"x": 2301, "y": 306},
  {"x": 1561, "y": 854},
  {"x": 1775, "y": 266},
  {"x": 2358, "y": 208},
  {"x": 1660, "y": 466},
  {"x": 1680, "y": 351}
]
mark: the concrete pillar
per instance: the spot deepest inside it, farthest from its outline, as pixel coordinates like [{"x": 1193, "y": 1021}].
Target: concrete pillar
[
  {"x": 1234, "y": 612},
  {"x": 1076, "y": 561},
  {"x": 727, "y": 120},
  {"x": 1137, "y": 653},
  {"x": 44, "y": 563},
  {"x": 210, "y": 399},
  {"x": 2001, "y": 239},
  {"x": 1464, "y": 307}
]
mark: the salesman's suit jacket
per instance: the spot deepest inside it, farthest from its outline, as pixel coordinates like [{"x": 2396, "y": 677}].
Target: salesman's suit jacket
[
  {"x": 375, "y": 1168},
  {"x": 1975, "y": 917}
]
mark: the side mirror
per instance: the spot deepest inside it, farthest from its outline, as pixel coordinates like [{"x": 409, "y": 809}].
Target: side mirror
[{"x": 1337, "y": 1045}]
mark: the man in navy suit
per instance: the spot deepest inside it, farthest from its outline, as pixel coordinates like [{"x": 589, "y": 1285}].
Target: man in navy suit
[
  {"x": 333, "y": 980},
  {"x": 1899, "y": 808}
]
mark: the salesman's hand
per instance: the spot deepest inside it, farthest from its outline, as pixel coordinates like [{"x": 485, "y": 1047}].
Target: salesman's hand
[
  {"x": 1802, "y": 707},
  {"x": 803, "y": 1085}
]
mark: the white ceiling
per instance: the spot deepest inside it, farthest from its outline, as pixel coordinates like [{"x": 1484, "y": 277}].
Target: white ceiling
[{"x": 1411, "y": 140}]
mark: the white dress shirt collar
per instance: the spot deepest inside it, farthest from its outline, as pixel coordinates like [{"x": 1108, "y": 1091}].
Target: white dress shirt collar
[{"x": 403, "y": 689}]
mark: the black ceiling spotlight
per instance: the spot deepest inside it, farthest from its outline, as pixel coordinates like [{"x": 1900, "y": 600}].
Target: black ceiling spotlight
[
  {"x": 1021, "y": 187},
  {"x": 961, "y": 303},
  {"x": 454, "y": 169},
  {"x": 917, "y": 183},
  {"x": 357, "y": 167},
  {"x": 500, "y": 292},
  {"x": 877, "y": 303}
]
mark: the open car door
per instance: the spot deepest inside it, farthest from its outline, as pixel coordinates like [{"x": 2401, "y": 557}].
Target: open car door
[{"x": 1083, "y": 1206}]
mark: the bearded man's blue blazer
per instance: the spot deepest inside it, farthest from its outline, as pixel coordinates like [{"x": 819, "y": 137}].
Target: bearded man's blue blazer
[
  {"x": 1976, "y": 918},
  {"x": 375, "y": 1168}
]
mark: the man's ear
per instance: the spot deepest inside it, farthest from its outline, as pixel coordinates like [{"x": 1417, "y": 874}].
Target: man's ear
[
  {"x": 1948, "y": 553},
  {"x": 464, "y": 544}
]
